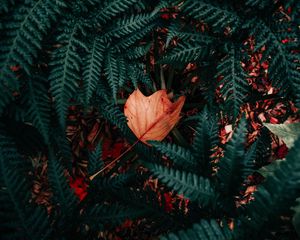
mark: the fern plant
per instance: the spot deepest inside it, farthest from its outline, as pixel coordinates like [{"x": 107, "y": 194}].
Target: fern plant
[{"x": 67, "y": 68}]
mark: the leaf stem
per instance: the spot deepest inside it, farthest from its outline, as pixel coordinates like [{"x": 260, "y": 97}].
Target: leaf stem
[{"x": 113, "y": 161}]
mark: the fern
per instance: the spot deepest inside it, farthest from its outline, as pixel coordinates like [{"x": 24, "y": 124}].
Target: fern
[
  {"x": 232, "y": 170},
  {"x": 185, "y": 53},
  {"x": 63, "y": 197},
  {"x": 112, "y": 72},
  {"x": 92, "y": 67},
  {"x": 64, "y": 76},
  {"x": 137, "y": 52},
  {"x": 205, "y": 230},
  {"x": 275, "y": 195},
  {"x": 215, "y": 14},
  {"x": 194, "y": 187},
  {"x": 95, "y": 161},
  {"x": 39, "y": 106},
  {"x": 131, "y": 39},
  {"x": 234, "y": 83},
  {"x": 113, "y": 114},
  {"x": 206, "y": 138},
  {"x": 128, "y": 25},
  {"x": 283, "y": 64},
  {"x": 182, "y": 157},
  {"x": 24, "y": 32},
  {"x": 100, "y": 215},
  {"x": 20, "y": 219},
  {"x": 113, "y": 8}
]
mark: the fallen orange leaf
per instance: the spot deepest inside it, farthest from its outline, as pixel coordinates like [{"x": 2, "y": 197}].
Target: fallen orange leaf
[{"x": 152, "y": 117}]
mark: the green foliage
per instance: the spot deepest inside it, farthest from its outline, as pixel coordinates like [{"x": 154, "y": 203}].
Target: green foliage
[
  {"x": 95, "y": 161},
  {"x": 210, "y": 230},
  {"x": 194, "y": 187},
  {"x": 279, "y": 192},
  {"x": 39, "y": 106},
  {"x": 233, "y": 167},
  {"x": 64, "y": 77},
  {"x": 217, "y": 14},
  {"x": 92, "y": 67},
  {"x": 92, "y": 54},
  {"x": 24, "y": 31},
  {"x": 20, "y": 218},
  {"x": 63, "y": 197},
  {"x": 206, "y": 139},
  {"x": 234, "y": 83},
  {"x": 182, "y": 157}
]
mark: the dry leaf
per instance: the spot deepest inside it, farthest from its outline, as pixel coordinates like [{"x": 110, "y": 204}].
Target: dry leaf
[{"x": 152, "y": 117}]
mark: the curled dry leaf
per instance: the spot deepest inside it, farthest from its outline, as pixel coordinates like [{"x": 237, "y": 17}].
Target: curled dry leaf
[{"x": 152, "y": 117}]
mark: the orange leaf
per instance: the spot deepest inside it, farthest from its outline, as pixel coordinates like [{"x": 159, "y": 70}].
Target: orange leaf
[{"x": 152, "y": 117}]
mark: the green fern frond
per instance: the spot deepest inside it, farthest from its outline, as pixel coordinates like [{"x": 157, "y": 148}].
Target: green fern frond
[
  {"x": 206, "y": 138},
  {"x": 213, "y": 13},
  {"x": 63, "y": 197},
  {"x": 182, "y": 157},
  {"x": 111, "y": 70},
  {"x": 24, "y": 32},
  {"x": 284, "y": 65},
  {"x": 115, "y": 183},
  {"x": 114, "y": 214},
  {"x": 194, "y": 187},
  {"x": 231, "y": 167},
  {"x": 113, "y": 8},
  {"x": 92, "y": 67},
  {"x": 131, "y": 39},
  {"x": 185, "y": 53},
  {"x": 66, "y": 62},
  {"x": 20, "y": 219},
  {"x": 188, "y": 34},
  {"x": 129, "y": 25},
  {"x": 234, "y": 83},
  {"x": 39, "y": 110},
  {"x": 137, "y": 52},
  {"x": 95, "y": 161},
  {"x": 205, "y": 230},
  {"x": 275, "y": 196},
  {"x": 113, "y": 114}
]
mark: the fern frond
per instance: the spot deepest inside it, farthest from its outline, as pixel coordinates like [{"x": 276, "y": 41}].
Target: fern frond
[
  {"x": 185, "y": 33},
  {"x": 182, "y": 157},
  {"x": 111, "y": 71},
  {"x": 205, "y": 230},
  {"x": 186, "y": 53},
  {"x": 92, "y": 67},
  {"x": 113, "y": 114},
  {"x": 231, "y": 169},
  {"x": 137, "y": 52},
  {"x": 24, "y": 32},
  {"x": 194, "y": 187},
  {"x": 113, "y": 8},
  {"x": 275, "y": 196},
  {"x": 39, "y": 110},
  {"x": 63, "y": 197},
  {"x": 114, "y": 214},
  {"x": 66, "y": 62},
  {"x": 284, "y": 66},
  {"x": 20, "y": 219},
  {"x": 213, "y": 13},
  {"x": 233, "y": 84},
  {"x": 129, "y": 25},
  {"x": 95, "y": 161},
  {"x": 131, "y": 39},
  {"x": 206, "y": 138}
]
